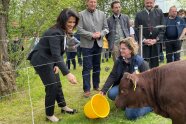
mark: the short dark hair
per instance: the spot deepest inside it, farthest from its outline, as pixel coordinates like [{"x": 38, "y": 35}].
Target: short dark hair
[
  {"x": 114, "y": 2},
  {"x": 64, "y": 16},
  {"x": 182, "y": 11}
]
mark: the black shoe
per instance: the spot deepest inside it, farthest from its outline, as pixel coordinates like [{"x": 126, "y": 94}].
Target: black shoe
[{"x": 69, "y": 112}]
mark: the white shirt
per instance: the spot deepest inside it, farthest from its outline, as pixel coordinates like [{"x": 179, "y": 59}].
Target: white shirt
[{"x": 132, "y": 31}]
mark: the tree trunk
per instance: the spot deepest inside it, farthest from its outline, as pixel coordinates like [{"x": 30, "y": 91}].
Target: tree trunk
[{"x": 7, "y": 76}]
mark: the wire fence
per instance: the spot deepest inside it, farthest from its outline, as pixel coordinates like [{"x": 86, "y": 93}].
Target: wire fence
[{"x": 26, "y": 66}]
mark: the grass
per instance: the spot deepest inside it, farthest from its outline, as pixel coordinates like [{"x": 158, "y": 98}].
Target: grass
[{"x": 16, "y": 108}]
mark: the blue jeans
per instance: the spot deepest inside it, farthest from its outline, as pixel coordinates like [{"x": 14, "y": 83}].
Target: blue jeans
[
  {"x": 130, "y": 113},
  {"x": 79, "y": 52},
  {"x": 91, "y": 60},
  {"x": 71, "y": 57}
]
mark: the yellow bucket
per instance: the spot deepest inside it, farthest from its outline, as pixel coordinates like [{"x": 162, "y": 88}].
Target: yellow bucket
[{"x": 97, "y": 107}]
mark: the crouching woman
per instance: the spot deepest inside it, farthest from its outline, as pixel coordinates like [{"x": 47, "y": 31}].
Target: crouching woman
[{"x": 128, "y": 61}]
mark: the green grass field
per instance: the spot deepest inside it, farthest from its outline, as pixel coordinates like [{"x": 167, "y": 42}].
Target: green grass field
[{"x": 16, "y": 108}]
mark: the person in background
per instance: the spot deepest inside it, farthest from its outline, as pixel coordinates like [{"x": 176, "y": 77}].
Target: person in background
[
  {"x": 150, "y": 17},
  {"x": 119, "y": 28},
  {"x": 15, "y": 50},
  {"x": 132, "y": 32},
  {"x": 160, "y": 44},
  {"x": 182, "y": 14},
  {"x": 79, "y": 50},
  {"x": 47, "y": 59},
  {"x": 92, "y": 28},
  {"x": 105, "y": 52},
  {"x": 71, "y": 50},
  {"x": 128, "y": 61},
  {"x": 174, "y": 28}
]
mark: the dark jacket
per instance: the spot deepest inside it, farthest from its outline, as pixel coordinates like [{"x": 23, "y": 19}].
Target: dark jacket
[
  {"x": 120, "y": 67},
  {"x": 149, "y": 22},
  {"x": 124, "y": 22},
  {"x": 50, "y": 50}
]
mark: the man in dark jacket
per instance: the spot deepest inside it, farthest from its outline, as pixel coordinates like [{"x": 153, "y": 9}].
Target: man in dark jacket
[
  {"x": 119, "y": 28},
  {"x": 150, "y": 17}
]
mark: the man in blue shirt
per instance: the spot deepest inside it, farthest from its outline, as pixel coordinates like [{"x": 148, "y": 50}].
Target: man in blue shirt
[{"x": 174, "y": 28}]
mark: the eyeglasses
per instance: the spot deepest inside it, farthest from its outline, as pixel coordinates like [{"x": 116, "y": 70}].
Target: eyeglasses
[{"x": 122, "y": 49}]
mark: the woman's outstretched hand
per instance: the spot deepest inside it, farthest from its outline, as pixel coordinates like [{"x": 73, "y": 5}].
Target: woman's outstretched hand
[{"x": 71, "y": 78}]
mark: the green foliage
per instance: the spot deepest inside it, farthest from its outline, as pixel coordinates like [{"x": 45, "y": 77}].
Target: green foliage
[
  {"x": 183, "y": 3},
  {"x": 36, "y": 15}
]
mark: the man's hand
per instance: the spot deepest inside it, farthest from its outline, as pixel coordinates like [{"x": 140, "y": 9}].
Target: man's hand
[
  {"x": 96, "y": 35},
  {"x": 149, "y": 42},
  {"x": 153, "y": 41}
]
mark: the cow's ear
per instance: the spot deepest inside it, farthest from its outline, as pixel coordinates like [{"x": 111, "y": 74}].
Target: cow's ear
[
  {"x": 133, "y": 79},
  {"x": 126, "y": 74}
]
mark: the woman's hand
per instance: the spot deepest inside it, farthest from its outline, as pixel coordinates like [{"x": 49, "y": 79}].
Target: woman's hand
[
  {"x": 102, "y": 93},
  {"x": 71, "y": 78},
  {"x": 56, "y": 69}
]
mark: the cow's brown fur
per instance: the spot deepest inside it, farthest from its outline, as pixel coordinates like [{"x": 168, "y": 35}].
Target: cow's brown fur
[{"x": 163, "y": 88}]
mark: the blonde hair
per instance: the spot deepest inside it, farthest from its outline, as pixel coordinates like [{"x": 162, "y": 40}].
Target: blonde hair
[{"x": 131, "y": 44}]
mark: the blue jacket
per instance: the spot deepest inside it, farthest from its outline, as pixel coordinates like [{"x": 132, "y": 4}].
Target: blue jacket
[
  {"x": 120, "y": 67},
  {"x": 180, "y": 24}
]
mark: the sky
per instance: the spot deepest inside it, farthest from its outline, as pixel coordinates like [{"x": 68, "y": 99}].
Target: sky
[{"x": 166, "y": 4}]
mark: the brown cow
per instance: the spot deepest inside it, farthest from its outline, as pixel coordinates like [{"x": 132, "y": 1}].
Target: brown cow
[{"x": 163, "y": 88}]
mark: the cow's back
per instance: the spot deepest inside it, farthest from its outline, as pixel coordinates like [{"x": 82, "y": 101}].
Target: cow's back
[{"x": 171, "y": 90}]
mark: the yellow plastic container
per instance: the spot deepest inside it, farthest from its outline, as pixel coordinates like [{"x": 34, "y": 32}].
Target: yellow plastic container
[{"x": 97, "y": 107}]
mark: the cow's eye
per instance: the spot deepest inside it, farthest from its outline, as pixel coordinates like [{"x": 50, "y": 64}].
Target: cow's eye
[
  {"x": 122, "y": 91},
  {"x": 125, "y": 91}
]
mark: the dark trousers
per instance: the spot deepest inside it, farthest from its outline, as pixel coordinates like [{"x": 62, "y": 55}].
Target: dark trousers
[
  {"x": 150, "y": 54},
  {"x": 160, "y": 52},
  {"x": 71, "y": 57},
  {"x": 53, "y": 87},
  {"x": 79, "y": 52},
  {"x": 171, "y": 47},
  {"x": 91, "y": 60}
]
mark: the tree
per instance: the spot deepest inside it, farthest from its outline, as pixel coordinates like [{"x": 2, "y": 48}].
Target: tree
[
  {"x": 7, "y": 79},
  {"x": 182, "y": 3}
]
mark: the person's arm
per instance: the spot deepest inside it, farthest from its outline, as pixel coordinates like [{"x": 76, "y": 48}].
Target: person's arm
[
  {"x": 111, "y": 79},
  {"x": 182, "y": 34},
  {"x": 128, "y": 24},
  {"x": 77, "y": 42},
  {"x": 105, "y": 27},
  {"x": 81, "y": 31},
  {"x": 55, "y": 48},
  {"x": 160, "y": 36},
  {"x": 136, "y": 27},
  {"x": 144, "y": 66}
]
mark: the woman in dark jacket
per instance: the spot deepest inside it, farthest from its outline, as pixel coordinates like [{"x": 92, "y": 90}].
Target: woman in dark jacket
[
  {"x": 128, "y": 61},
  {"x": 47, "y": 59}
]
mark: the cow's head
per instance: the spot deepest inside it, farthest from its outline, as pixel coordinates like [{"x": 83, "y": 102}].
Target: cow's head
[{"x": 131, "y": 92}]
